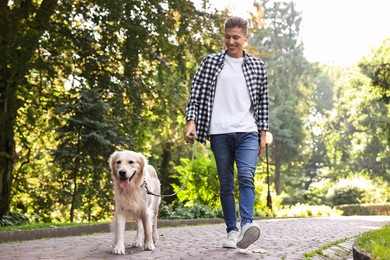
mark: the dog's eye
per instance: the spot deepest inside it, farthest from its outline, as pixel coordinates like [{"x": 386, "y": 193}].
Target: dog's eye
[
  {"x": 118, "y": 162},
  {"x": 131, "y": 162}
]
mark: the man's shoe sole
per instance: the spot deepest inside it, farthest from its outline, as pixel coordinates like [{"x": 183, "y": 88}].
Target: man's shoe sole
[
  {"x": 229, "y": 246},
  {"x": 250, "y": 236}
]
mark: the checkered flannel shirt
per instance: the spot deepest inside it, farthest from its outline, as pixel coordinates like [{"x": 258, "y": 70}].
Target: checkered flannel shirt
[{"x": 203, "y": 85}]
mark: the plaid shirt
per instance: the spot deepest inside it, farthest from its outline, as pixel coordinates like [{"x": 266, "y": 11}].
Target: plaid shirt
[{"x": 200, "y": 103}]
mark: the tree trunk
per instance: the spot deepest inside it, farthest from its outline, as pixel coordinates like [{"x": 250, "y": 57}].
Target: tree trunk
[
  {"x": 164, "y": 171},
  {"x": 8, "y": 106}
]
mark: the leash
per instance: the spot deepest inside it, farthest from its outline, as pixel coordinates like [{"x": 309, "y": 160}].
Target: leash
[{"x": 188, "y": 175}]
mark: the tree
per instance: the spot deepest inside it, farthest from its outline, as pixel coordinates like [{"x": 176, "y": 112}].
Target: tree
[
  {"x": 22, "y": 25},
  {"x": 85, "y": 142},
  {"x": 120, "y": 55},
  {"x": 314, "y": 157},
  {"x": 202, "y": 30},
  {"x": 275, "y": 37},
  {"x": 377, "y": 68}
]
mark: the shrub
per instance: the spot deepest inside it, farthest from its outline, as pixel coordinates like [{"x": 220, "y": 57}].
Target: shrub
[
  {"x": 13, "y": 219},
  {"x": 188, "y": 212},
  {"x": 300, "y": 210},
  {"x": 201, "y": 181},
  {"x": 365, "y": 209},
  {"x": 356, "y": 189}
]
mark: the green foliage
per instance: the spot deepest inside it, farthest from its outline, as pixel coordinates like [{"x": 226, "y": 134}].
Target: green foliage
[
  {"x": 14, "y": 219},
  {"x": 179, "y": 211},
  {"x": 81, "y": 79},
  {"x": 301, "y": 210},
  {"x": 85, "y": 139},
  {"x": 357, "y": 189},
  {"x": 277, "y": 42},
  {"x": 377, "y": 66},
  {"x": 200, "y": 179},
  {"x": 42, "y": 225},
  {"x": 365, "y": 209},
  {"x": 106, "y": 75},
  {"x": 376, "y": 243},
  {"x": 347, "y": 195},
  {"x": 320, "y": 251},
  {"x": 349, "y": 137}
]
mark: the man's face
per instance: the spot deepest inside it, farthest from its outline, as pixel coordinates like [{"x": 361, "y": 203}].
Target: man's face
[{"x": 234, "y": 41}]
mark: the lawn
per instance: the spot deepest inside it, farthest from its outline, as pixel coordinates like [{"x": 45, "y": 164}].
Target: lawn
[
  {"x": 43, "y": 225},
  {"x": 376, "y": 243}
]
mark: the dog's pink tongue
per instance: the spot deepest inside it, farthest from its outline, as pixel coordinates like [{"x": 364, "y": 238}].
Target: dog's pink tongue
[{"x": 124, "y": 183}]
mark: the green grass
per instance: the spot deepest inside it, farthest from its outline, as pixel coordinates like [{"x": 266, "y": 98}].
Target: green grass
[
  {"x": 43, "y": 225},
  {"x": 320, "y": 251},
  {"x": 376, "y": 243}
]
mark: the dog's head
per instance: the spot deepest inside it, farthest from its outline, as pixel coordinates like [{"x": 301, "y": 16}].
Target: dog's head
[{"x": 127, "y": 167}]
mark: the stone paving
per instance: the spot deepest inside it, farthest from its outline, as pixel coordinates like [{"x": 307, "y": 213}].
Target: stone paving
[{"x": 280, "y": 239}]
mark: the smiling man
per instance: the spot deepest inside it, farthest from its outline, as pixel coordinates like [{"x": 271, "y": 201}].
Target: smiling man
[{"x": 228, "y": 106}]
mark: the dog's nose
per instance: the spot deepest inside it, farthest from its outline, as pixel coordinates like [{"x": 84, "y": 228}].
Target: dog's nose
[{"x": 122, "y": 173}]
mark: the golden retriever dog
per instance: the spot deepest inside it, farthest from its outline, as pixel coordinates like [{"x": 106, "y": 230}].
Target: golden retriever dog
[{"x": 132, "y": 177}]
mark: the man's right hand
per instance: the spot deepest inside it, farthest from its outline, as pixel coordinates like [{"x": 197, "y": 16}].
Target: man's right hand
[{"x": 190, "y": 132}]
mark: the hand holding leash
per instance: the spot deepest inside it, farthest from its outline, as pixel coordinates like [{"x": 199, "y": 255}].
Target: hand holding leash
[
  {"x": 190, "y": 132},
  {"x": 192, "y": 138}
]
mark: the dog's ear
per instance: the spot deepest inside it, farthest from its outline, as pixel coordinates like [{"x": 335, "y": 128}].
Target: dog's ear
[
  {"x": 111, "y": 160},
  {"x": 143, "y": 161}
]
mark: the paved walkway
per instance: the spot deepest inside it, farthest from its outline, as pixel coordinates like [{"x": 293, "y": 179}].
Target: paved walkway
[{"x": 280, "y": 239}]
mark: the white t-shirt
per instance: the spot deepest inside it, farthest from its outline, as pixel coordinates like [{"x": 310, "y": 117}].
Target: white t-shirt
[{"x": 232, "y": 109}]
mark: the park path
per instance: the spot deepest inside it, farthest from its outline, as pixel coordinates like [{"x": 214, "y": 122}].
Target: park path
[{"x": 280, "y": 239}]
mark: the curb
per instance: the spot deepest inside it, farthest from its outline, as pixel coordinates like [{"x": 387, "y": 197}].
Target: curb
[
  {"x": 359, "y": 255},
  {"x": 341, "y": 250},
  {"x": 23, "y": 235}
]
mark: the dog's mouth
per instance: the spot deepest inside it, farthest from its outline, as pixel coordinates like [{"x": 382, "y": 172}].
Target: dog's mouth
[{"x": 124, "y": 182}]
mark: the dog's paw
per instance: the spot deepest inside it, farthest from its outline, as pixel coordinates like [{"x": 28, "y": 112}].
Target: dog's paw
[
  {"x": 149, "y": 246},
  {"x": 119, "y": 250},
  {"x": 137, "y": 243}
]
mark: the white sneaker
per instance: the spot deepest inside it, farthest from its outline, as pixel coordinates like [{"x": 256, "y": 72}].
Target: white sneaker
[
  {"x": 231, "y": 239},
  {"x": 249, "y": 234}
]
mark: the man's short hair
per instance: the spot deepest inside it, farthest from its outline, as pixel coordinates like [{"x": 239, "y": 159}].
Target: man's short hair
[{"x": 235, "y": 21}]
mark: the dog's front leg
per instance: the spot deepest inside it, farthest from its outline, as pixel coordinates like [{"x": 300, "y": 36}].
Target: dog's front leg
[
  {"x": 148, "y": 242},
  {"x": 140, "y": 234},
  {"x": 120, "y": 224}
]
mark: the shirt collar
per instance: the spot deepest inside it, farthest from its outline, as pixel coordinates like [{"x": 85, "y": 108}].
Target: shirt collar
[{"x": 225, "y": 53}]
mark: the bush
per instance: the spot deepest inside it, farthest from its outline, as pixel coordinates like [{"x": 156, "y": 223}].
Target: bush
[
  {"x": 201, "y": 181},
  {"x": 347, "y": 195},
  {"x": 365, "y": 209},
  {"x": 300, "y": 210},
  {"x": 13, "y": 219},
  {"x": 188, "y": 212},
  {"x": 357, "y": 189}
]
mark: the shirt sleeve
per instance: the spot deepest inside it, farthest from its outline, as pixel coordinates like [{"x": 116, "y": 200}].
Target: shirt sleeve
[
  {"x": 195, "y": 94},
  {"x": 263, "y": 102}
]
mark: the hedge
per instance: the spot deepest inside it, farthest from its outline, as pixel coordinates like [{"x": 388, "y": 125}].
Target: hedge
[{"x": 365, "y": 209}]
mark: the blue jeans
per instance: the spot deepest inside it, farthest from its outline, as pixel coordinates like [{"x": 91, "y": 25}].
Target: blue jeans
[{"x": 241, "y": 148}]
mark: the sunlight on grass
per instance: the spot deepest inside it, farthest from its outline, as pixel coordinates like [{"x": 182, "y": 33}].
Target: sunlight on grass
[
  {"x": 376, "y": 243},
  {"x": 44, "y": 225}
]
